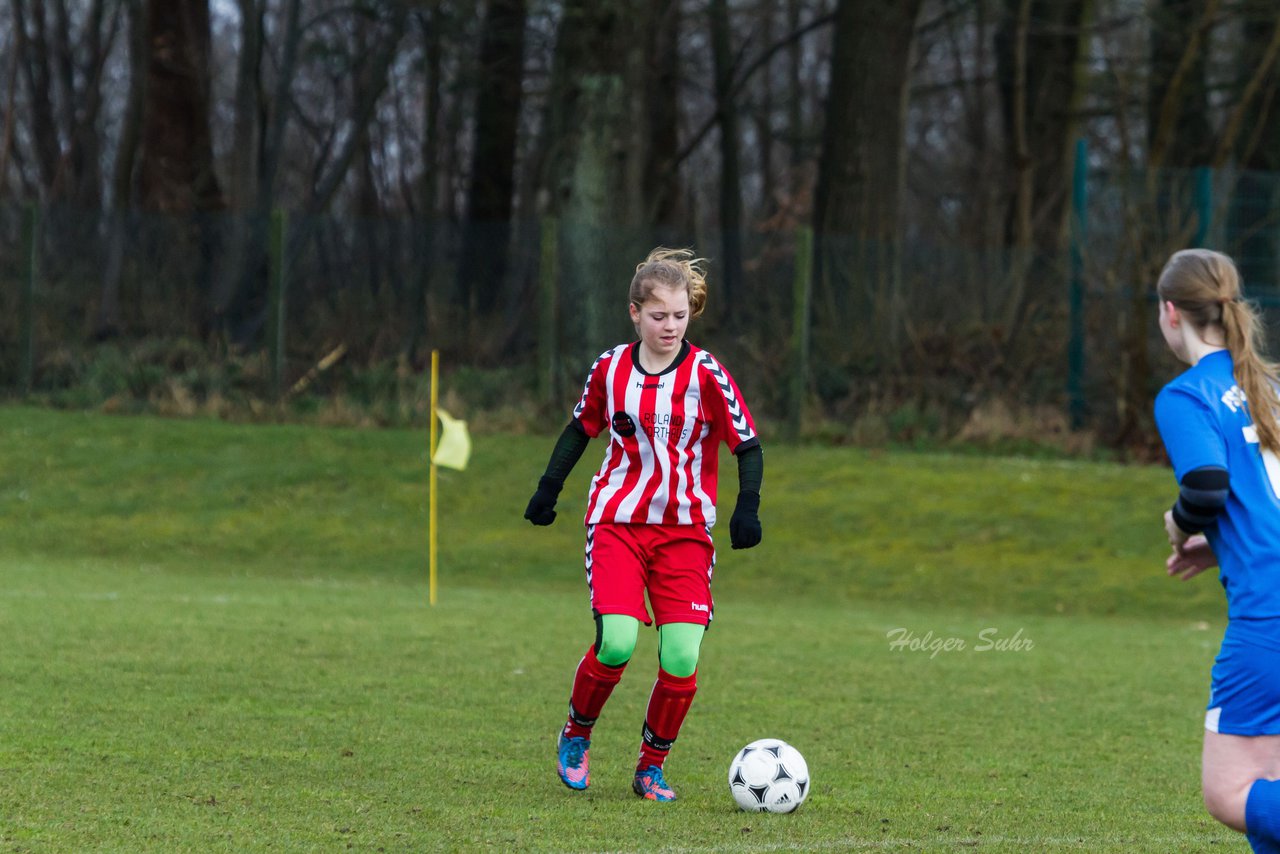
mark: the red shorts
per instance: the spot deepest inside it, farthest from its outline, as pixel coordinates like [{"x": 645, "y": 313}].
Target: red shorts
[{"x": 672, "y": 562}]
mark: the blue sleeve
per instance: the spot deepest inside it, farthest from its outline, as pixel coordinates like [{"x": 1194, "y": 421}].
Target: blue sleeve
[{"x": 1191, "y": 433}]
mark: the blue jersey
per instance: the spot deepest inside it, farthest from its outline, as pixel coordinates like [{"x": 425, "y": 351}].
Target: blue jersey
[{"x": 1204, "y": 420}]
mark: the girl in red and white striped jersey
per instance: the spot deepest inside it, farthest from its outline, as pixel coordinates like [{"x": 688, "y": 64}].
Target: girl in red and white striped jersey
[{"x": 666, "y": 406}]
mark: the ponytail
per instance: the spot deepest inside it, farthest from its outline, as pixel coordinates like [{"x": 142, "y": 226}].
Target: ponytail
[
  {"x": 1205, "y": 286},
  {"x": 1256, "y": 375}
]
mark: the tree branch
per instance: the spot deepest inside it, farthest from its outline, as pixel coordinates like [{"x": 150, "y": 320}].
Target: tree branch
[
  {"x": 1231, "y": 130},
  {"x": 741, "y": 80},
  {"x": 1170, "y": 105}
]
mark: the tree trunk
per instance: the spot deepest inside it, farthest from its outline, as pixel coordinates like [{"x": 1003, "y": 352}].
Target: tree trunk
[
  {"x": 86, "y": 150},
  {"x": 279, "y": 107},
  {"x": 33, "y": 50},
  {"x": 1178, "y": 131},
  {"x": 1179, "y": 138},
  {"x": 1053, "y": 44},
  {"x": 427, "y": 191},
  {"x": 487, "y": 231},
  {"x": 108, "y": 323},
  {"x": 243, "y": 253},
  {"x": 861, "y": 174},
  {"x": 175, "y": 173},
  {"x": 10, "y": 120},
  {"x": 730, "y": 167},
  {"x": 60, "y": 61},
  {"x": 764, "y": 120},
  {"x": 598, "y": 143},
  {"x": 1253, "y": 222},
  {"x": 1023, "y": 173},
  {"x": 371, "y": 81},
  {"x": 247, "y": 124},
  {"x": 175, "y": 167},
  {"x": 1038, "y": 46},
  {"x": 795, "y": 102},
  {"x": 662, "y": 87},
  {"x": 238, "y": 298}
]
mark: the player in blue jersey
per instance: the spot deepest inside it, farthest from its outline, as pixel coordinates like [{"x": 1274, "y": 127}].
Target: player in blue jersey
[{"x": 1218, "y": 420}]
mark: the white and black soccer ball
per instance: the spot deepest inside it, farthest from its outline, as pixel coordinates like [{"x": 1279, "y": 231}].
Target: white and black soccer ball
[{"x": 768, "y": 775}]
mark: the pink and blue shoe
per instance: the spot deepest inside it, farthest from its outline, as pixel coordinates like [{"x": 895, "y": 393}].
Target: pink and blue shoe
[
  {"x": 651, "y": 785},
  {"x": 572, "y": 762}
]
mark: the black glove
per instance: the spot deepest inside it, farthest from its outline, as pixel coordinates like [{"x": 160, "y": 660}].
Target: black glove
[
  {"x": 542, "y": 506},
  {"x": 744, "y": 527}
]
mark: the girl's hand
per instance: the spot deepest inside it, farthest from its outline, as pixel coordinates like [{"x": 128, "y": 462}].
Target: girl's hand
[
  {"x": 1193, "y": 558},
  {"x": 1177, "y": 536}
]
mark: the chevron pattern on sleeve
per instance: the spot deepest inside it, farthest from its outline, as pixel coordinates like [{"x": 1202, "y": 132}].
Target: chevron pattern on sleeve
[
  {"x": 736, "y": 415},
  {"x": 586, "y": 388}
]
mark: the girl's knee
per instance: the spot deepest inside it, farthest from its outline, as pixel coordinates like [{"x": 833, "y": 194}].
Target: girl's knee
[
  {"x": 1226, "y": 804},
  {"x": 615, "y": 652},
  {"x": 616, "y": 639},
  {"x": 678, "y": 647},
  {"x": 679, "y": 661}
]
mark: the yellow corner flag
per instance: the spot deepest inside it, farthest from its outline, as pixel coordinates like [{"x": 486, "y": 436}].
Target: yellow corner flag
[
  {"x": 454, "y": 447},
  {"x": 453, "y": 450}
]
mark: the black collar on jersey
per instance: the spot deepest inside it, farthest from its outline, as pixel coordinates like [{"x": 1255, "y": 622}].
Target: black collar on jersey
[{"x": 675, "y": 363}]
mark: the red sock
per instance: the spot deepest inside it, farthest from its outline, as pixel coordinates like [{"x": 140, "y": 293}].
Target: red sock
[
  {"x": 592, "y": 686},
  {"x": 668, "y": 704}
]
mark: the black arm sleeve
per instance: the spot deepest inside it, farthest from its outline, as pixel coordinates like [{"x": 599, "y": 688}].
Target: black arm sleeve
[
  {"x": 750, "y": 469},
  {"x": 568, "y": 450},
  {"x": 1202, "y": 496}
]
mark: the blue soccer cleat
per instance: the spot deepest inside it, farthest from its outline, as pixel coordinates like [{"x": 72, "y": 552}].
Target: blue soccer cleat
[
  {"x": 571, "y": 764},
  {"x": 651, "y": 785}
]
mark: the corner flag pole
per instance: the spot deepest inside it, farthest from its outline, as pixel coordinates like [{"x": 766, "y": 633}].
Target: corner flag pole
[{"x": 431, "y": 501}]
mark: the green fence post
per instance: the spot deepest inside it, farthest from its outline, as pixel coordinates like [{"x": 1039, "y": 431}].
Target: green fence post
[
  {"x": 1075, "y": 346},
  {"x": 27, "y": 303},
  {"x": 276, "y": 300},
  {"x": 548, "y": 312},
  {"x": 801, "y": 329}
]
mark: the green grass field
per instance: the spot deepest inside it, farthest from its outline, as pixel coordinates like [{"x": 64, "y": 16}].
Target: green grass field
[{"x": 216, "y": 637}]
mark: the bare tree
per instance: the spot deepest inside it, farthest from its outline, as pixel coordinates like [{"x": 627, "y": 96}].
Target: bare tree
[
  {"x": 487, "y": 234},
  {"x": 1040, "y": 98},
  {"x": 1038, "y": 47},
  {"x": 372, "y": 63},
  {"x": 730, "y": 167},
  {"x": 661, "y": 175},
  {"x": 62, "y": 72},
  {"x": 1252, "y": 217},
  {"x": 108, "y": 323},
  {"x": 175, "y": 160},
  {"x": 1178, "y": 130},
  {"x": 424, "y": 195},
  {"x": 175, "y": 167},
  {"x": 597, "y": 152},
  {"x": 861, "y": 171},
  {"x": 1179, "y": 138},
  {"x": 366, "y": 41}
]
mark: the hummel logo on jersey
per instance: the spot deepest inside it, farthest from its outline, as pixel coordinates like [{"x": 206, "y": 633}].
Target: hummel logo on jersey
[{"x": 641, "y": 384}]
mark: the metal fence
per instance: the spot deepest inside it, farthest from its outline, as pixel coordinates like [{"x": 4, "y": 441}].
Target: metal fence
[{"x": 920, "y": 326}]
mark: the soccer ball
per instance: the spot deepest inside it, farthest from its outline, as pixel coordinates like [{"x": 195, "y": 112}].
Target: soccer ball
[{"x": 768, "y": 775}]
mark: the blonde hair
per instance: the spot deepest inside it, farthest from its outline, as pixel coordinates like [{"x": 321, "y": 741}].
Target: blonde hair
[
  {"x": 1205, "y": 286},
  {"x": 671, "y": 268}
]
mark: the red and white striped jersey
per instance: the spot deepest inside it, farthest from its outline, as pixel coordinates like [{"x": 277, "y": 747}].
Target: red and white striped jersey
[{"x": 664, "y": 434}]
